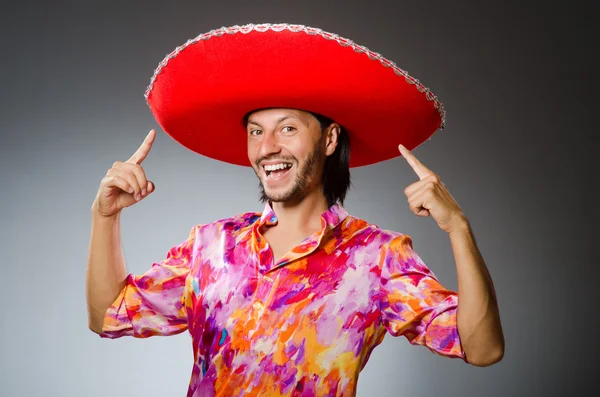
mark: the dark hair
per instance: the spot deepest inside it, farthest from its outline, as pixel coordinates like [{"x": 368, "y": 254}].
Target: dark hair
[{"x": 336, "y": 172}]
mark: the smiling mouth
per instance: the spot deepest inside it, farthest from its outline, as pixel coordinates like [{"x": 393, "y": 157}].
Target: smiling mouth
[{"x": 276, "y": 171}]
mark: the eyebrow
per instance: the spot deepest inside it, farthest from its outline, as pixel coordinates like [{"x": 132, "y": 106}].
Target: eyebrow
[{"x": 279, "y": 120}]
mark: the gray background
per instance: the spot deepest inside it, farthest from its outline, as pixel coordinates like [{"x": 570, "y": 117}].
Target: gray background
[{"x": 516, "y": 80}]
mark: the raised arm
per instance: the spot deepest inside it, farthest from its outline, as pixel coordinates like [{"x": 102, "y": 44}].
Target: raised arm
[
  {"x": 479, "y": 322},
  {"x": 124, "y": 185}
]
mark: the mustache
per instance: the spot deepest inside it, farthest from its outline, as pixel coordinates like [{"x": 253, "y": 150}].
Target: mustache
[{"x": 283, "y": 159}]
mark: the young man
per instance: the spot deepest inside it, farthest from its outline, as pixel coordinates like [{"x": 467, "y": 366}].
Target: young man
[{"x": 290, "y": 301}]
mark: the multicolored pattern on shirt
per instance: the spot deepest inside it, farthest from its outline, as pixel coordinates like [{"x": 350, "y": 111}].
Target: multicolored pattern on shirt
[{"x": 304, "y": 325}]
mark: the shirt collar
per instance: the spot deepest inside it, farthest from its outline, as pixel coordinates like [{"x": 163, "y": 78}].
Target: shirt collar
[{"x": 329, "y": 219}]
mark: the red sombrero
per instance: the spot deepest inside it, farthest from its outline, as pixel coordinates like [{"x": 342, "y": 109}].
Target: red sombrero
[{"x": 200, "y": 92}]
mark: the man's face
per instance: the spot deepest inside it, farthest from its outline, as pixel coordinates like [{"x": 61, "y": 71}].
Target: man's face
[{"x": 287, "y": 151}]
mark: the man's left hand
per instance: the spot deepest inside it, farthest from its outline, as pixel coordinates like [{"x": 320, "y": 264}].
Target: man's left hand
[{"x": 429, "y": 196}]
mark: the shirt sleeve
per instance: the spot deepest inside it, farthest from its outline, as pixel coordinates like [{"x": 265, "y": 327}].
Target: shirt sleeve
[
  {"x": 153, "y": 303},
  {"x": 414, "y": 304}
]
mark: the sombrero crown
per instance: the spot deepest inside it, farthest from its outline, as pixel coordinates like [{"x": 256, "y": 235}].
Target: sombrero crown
[{"x": 201, "y": 91}]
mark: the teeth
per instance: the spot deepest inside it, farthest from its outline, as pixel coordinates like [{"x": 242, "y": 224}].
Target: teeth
[{"x": 275, "y": 167}]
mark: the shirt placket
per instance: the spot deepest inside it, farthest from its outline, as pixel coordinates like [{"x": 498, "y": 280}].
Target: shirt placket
[
  {"x": 264, "y": 256},
  {"x": 266, "y": 284},
  {"x": 260, "y": 301}
]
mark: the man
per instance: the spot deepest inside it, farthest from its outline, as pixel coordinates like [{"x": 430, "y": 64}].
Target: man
[{"x": 290, "y": 301}]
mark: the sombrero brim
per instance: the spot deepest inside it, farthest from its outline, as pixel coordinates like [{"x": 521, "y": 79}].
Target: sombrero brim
[{"x": 200, "y": 92}]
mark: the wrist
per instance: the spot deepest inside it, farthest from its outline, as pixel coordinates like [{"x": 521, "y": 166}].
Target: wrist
[
  {"x": 460, "y": 227},
  {"x": 97, "y": 215}
]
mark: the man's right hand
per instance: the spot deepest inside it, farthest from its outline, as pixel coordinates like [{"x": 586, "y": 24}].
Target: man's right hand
[{"x": 125, "y": 183}]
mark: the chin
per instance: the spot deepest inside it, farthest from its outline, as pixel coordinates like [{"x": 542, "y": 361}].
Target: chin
[
  {"x": 283, "y": 194},
  {"x": 279, "y": 195}
]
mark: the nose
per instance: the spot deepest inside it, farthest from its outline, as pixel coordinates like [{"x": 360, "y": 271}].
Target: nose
[{"x": 269, "y": 145}]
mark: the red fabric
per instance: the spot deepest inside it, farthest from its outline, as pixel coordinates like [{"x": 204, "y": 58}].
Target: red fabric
[{"x": 200, "y": 97}]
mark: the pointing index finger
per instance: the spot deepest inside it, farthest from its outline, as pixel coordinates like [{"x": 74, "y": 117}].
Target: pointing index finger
[
  {"x": 421, "y": 171},
  {"x": 144, "y": 149}
]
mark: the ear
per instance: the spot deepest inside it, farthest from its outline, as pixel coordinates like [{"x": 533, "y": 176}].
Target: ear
[{"x": 332, "y": 134}]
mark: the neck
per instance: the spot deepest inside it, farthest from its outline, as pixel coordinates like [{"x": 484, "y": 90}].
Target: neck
[{"x": 302, "y": 215}]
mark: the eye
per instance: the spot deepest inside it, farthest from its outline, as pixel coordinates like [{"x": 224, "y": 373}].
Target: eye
[
  {"x": 255, "y": 132},
  {"x": 288, "y": 128}
]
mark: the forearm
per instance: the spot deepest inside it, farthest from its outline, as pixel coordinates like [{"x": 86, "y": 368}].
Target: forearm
[
  {"x": 479, "y": 323},
  {"x": 106, "y": 270}
]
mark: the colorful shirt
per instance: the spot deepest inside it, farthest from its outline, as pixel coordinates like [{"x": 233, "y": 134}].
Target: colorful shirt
[{"x": 303, "y": 326}]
